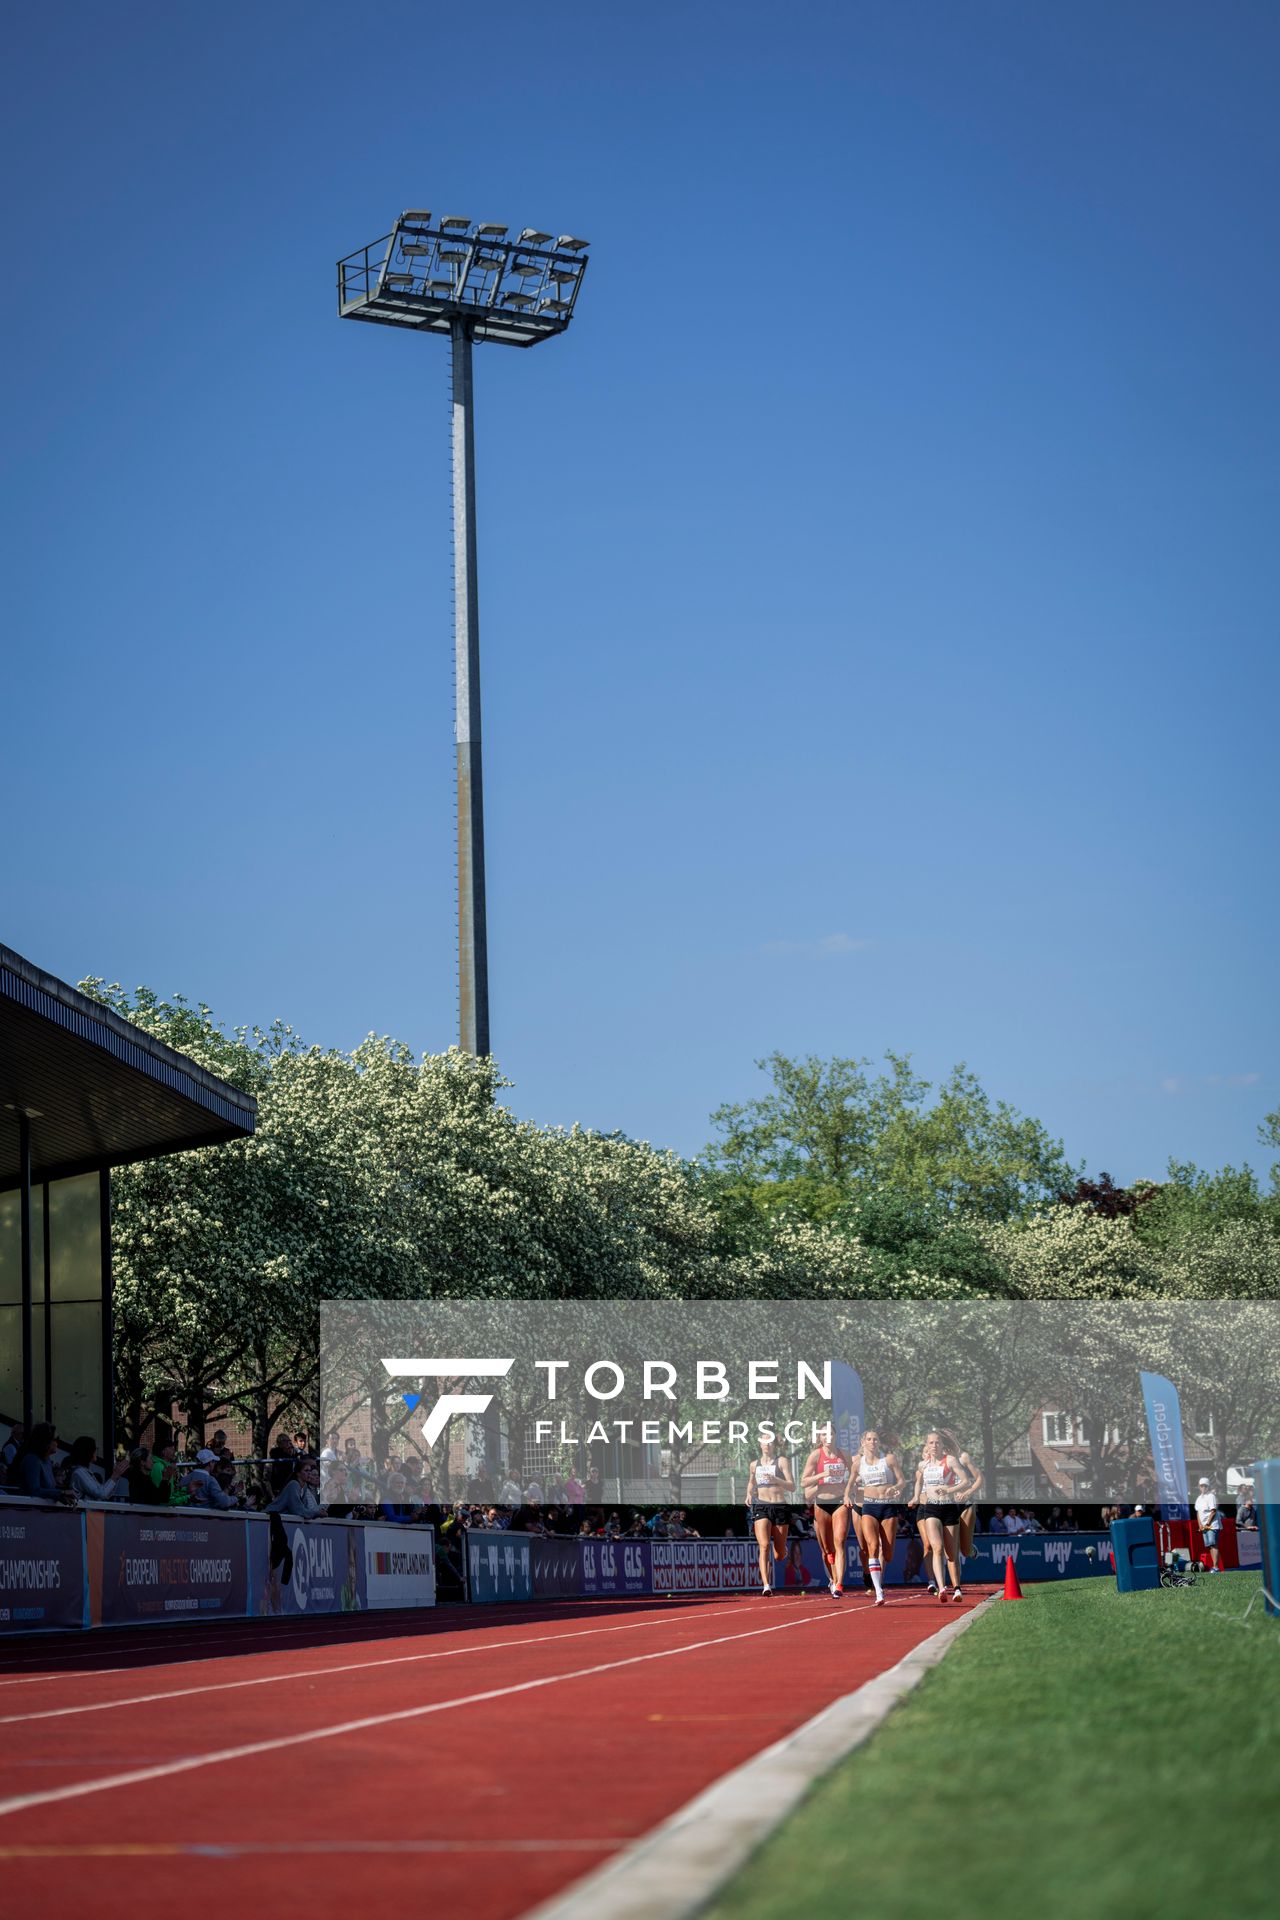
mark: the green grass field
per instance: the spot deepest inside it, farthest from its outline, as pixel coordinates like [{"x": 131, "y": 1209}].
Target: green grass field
[{"x": 1079, "y": 1753}]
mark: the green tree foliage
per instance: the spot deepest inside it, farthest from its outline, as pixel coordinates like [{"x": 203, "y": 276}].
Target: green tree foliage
[
  {"x": 829, "y": 1134},
  {"x": 370, "y": 1175}
]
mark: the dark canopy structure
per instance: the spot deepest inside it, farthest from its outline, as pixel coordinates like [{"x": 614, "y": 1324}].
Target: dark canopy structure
[{"x": 81, "y": 1091}]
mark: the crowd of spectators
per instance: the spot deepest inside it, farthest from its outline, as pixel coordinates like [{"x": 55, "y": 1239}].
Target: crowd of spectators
[{"x": 299, "y": 1479}]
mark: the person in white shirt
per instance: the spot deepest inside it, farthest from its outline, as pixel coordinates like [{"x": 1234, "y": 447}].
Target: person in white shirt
[{"x": 1209, "y": 1520}]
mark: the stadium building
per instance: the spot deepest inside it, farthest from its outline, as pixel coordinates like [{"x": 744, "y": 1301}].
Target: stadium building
[{"x": 81, "y": 1091}]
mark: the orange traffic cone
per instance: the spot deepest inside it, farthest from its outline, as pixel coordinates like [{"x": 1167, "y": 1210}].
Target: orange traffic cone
[{"x": 1012, "y": 1591}]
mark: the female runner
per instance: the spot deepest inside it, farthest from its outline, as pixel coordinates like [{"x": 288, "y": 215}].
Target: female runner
[
  {"x": 877, "y": 1472},
  {"x": 968, "y": 1522},
  {"x": 824, "y": 1479},
  {"x": 941, "y": 1492},
  {"x": 768, "y": 1484}
]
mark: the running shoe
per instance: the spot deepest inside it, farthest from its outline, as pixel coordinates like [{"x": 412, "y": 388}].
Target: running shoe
[
  {"x": 957, "y": 1596},
  {"x": 837, "y": 1593},
  {"x": 933, "y": 1586},
  {"x": 879, "y": 1599},
  {"x": 766, "y": 1592}
]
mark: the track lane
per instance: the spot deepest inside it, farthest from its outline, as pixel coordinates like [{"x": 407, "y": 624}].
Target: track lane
[{"x": 498, "y": 1802}]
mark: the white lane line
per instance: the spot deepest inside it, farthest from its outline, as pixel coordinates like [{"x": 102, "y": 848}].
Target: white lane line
[
  {"x": 675, "y": 1870},
  {"x": 239, "y": 1637},
  {"x": 349, "y": 1666},
  {"x": 165, "y": 1769}
]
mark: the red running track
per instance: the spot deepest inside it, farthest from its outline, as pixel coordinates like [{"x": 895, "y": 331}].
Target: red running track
[{"x": 484, "y": 1758}]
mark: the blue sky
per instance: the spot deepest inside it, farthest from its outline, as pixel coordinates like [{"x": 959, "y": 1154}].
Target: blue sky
[{"x": 878, "y": 582}]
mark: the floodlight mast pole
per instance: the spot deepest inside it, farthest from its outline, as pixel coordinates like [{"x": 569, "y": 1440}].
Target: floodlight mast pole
[
  {"x": 472, "y": 282},
  {"x": 473, "y": 932}
]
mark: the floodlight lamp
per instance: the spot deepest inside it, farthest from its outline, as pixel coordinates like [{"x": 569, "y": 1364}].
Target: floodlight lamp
[
  {"x": 456, "y": 222},
  {"x": 419, "y": 216},
  {"x": 531, "y": 237},
  {"x": 567, "y": 241},
  {"x": 491, "y": 230}
]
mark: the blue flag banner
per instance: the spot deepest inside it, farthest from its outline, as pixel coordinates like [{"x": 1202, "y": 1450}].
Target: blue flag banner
[
  {"x": 846, "y": 1406},
  {"x": 1164, "y": 1424}
]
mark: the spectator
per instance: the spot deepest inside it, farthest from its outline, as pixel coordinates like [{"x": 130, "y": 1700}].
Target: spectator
[
  {"x": 35, "y": 1463},
  {"x": 533, "y": 1495},
  {"x": 13, "y": 1446},
  {"x": 300, "y": 1501},
  {"x": 636, "y": 1530},
  {"x": 203, "y": 1488},
  {"x": 86, "y": 1480},
  {"x": 144, "y": 1491},
  {"x": 396, "y": 1508},
  {"x": 996, "y": 1524},
  {"x": 283, "y": 1461},
  {"x": 1246, "y": 1511},
  {"x": 1030, "y": 1521},
  {"x": 1069, "y": 1523},
  {"x": 1012, "y": 1521},
  {"x": 574, "y": 1491},
  {"x": 509, "y": 1493},
  {"x": 1209, "y": 1520},
  {"x": 330, "y": 1450},
  {"x": 164, "y": 1472}
]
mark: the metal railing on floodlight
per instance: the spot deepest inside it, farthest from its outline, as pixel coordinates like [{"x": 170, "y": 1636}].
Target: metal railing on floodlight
[
  {"x": 471, "y": 281},
  {"x": 424, "y": 277}
]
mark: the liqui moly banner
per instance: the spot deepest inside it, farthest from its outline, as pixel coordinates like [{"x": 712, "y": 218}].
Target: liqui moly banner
[
  {"x": 1164, "y": 1424},
  {"x": 704, "y": 1566}
]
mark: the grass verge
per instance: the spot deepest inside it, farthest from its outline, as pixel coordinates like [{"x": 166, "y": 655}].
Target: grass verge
[{"x": 1083, "y": 1752}]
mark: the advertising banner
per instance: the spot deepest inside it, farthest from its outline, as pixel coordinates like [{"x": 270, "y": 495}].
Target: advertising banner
[
  {"x": 1037, "y": 1556},
  {"x": 557, "y": 1567},
  {"x": 704, "y": 1566},
  {"x": 615, "y": 1566},
  {"x": 1164, "y": 1425},
  {"x": 1266, "y": 1480},
  {"x": 499, "y": 1566},
  {"x": 399, "y": 1566},
  {"x": 152, "y": 1564},
  {"x": 42, "y": 1568},
  {"x": 846, "y": 1406},
  {"x": 327, "y": 1573}
]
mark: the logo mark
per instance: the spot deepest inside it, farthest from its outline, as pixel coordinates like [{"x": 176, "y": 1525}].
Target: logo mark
[{"x": 449, "y": 1403}]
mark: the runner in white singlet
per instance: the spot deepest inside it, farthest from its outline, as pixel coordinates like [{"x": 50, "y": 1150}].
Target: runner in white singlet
[
  {"x": 768, "y": 1484},
  {"x": 878, "y": 1476}
]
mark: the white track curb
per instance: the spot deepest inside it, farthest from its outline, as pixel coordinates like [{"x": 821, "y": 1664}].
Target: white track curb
[{"x": 677, "y": 1867}]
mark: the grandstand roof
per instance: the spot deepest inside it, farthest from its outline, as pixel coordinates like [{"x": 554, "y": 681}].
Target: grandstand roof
[{"x": 99, "y": 1090}]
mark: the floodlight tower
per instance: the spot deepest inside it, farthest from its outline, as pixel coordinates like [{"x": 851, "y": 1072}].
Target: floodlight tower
[{"x": 470, "y": 281}]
